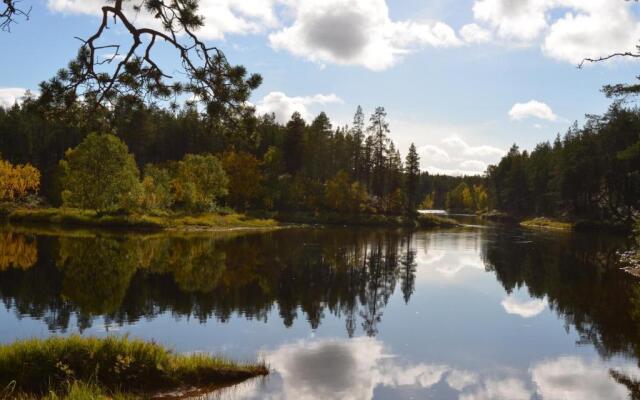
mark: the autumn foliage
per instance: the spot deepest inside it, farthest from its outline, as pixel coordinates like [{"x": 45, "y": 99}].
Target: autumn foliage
[{"x": 16, "y": 182}]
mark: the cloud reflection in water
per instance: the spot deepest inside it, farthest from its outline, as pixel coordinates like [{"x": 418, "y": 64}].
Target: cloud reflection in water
[{"x": 353, "y": 369}]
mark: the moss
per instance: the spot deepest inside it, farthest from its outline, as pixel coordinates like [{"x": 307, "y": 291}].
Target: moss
[
  {"x": 36, "y": 365},
  {"x": 547, "y": 223}
]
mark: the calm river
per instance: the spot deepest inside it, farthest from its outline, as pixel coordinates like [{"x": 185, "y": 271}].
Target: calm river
[{"x": 484, "y": 312}]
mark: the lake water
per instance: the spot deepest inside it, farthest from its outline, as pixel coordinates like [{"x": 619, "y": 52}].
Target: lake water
[{"x": 484, "y": 312}]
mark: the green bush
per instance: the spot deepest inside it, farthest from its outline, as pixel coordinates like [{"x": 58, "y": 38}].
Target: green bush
[{"x": 100, "y": 174}]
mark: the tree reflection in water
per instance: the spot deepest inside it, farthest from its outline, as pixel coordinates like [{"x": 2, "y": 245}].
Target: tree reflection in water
[
  {"x": 307, "y": 274},
  {"x": 125, "y": 278},
  {"x": 17, "y": 250},
  {"x": 579, "y": 277}
]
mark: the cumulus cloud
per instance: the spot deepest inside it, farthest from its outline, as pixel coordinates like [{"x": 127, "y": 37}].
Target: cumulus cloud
[
  {"x": 457, "y": 157},
  {"x": 513, "y": 19},
  {"x": 474, "y": 33},
  {"x": 532, "y": 109},
  {"x": 221, "y": 16},
  {"x": 593, "y": 29},
  {"x": 11, "y": 96},
  {"x": 571, "y": 30},
  {"x": 462, "y": 147},
  {"x": 523, "y": 308},
  {"x": 283, "y": 106},
  {"x": 356, "y": 32}
]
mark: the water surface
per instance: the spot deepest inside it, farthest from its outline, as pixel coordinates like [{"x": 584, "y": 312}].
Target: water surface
[{"x": 478, "y": 313}]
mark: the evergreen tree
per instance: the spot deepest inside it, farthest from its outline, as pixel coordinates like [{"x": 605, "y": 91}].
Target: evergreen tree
[
  {"x": 412, "y": 176},
  {"x": 293, "y": 143},
  {"x": 378, "y": 129}
]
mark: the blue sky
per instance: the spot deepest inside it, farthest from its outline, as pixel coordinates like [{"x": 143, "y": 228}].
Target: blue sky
[{"x": 461, "y": 79}]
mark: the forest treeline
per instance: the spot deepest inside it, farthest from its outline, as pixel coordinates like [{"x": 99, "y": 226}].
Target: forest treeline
[
  {"x": 179, "y": 159},
  {"x": 592, "y": 172}
]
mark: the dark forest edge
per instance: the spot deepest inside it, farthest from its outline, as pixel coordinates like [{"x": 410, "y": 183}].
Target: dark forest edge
[{"x": 91, "y": 366}]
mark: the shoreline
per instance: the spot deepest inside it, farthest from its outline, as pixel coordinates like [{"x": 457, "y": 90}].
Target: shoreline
[{"x": 212, "y": 222}]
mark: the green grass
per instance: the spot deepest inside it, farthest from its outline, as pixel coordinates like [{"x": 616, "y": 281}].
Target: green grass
[
  {"x": 72, "y": 391},
  {"x": 113, "y": 364},
  {"x": 70, "y": 217},
  {"x": 547, "y": 223}
]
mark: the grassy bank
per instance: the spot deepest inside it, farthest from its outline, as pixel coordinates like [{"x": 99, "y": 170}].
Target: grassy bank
[
  {"x": 35, "y": 367},
  {"x": 547, "y": 223},
  {"x": 76, "y": 218},
  {"x": 70, "y": 217}
]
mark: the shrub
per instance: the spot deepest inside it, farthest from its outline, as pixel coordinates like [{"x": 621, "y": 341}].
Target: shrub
[
  {"x": 200, "y": 180},
  {"x": 100, "y": 174}
]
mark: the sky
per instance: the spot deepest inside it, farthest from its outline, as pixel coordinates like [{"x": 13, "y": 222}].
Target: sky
[{"x": 462, "y": 79}]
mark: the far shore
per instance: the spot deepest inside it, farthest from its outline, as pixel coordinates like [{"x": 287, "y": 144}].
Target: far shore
[{"x": 212, "y": 222}]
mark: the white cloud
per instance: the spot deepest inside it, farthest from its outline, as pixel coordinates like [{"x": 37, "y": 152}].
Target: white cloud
[
  {"x": 525, "y": 309},
  {"x": 283, "y": 106},
  {"x": 474, "y": 33},
  {"x": 11, "y": 96},
  {"x": 513, "y": 19},
  {"x": 575, "y": 378},
  {"x": 594, "y": 29},
  {"x": 356, "y": 32},
  {"x": 474, "y": 165},
  {"x": 433, "y": 153},
  {"x": 435, "y": 170},
  {"x": 221, "y": 16},
  {"x": 532, "y": 109},
  {"x": 484, "y": 151},
  {"x": 361, "y": 32},
  {"x": 571, "y": 30},
  {"x": 112, "y": 57}
]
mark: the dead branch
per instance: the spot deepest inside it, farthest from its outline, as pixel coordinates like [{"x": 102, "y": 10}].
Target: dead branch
[{"x": 9, "y": 12}]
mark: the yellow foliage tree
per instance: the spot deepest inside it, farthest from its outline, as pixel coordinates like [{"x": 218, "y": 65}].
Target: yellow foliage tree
[
  {"x": 467, "y": 199},
  {"x": 428, "y": 202},
  {"x": 16, "y": 182}
]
